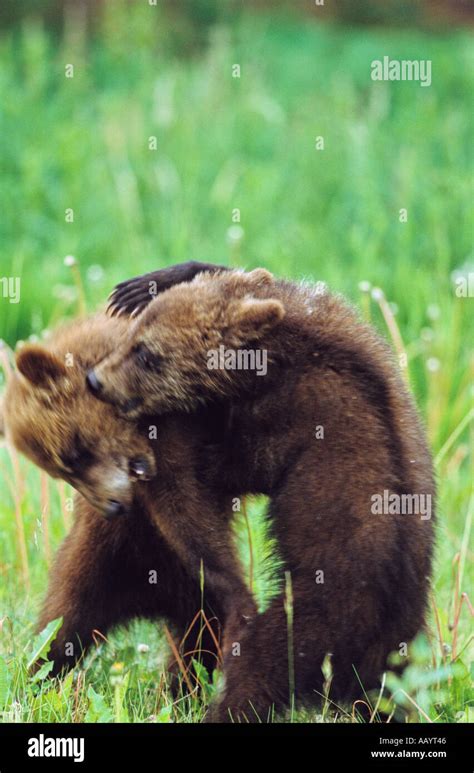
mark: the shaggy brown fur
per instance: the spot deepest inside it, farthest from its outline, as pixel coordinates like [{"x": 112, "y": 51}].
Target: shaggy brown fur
[
  {"x": 359, "y": 579},
  {"x": 101, "y": 575},
  {"x": 52, "y": 419}
]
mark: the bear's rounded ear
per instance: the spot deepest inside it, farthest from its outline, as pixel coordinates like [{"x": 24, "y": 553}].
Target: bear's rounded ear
[
  {"x": 39, "y": 366},
  {"x": 259, "y": 276},
  {"x": 251, "y": 318}
]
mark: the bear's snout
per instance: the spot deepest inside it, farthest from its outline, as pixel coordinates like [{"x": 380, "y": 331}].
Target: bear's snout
[{"x": 114, "y": 509}]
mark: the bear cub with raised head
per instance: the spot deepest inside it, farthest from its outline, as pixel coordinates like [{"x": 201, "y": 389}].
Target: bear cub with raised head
[{"x": 328, "y": 429}]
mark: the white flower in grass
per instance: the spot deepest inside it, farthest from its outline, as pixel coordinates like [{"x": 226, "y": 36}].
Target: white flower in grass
[
  {"x": 433, "y": 364},
  {"x": 377, "y": 294},
  {"x": 235, "y": 234},
  {"x": 95, "y": 273},
  {"x": 433, "y": 311}
]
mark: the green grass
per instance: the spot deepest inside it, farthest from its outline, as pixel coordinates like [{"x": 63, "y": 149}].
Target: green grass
[{"x": 225, "y": 143}]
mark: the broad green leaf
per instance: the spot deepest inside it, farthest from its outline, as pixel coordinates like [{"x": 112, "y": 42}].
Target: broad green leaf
[
  {"x": 43, "y": 641},
  {"x": 42, "y": 672},
  {"x": 98, "y": 710}
]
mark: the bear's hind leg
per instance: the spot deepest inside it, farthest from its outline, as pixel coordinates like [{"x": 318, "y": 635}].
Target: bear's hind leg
[{"x": 268, "y": 666}]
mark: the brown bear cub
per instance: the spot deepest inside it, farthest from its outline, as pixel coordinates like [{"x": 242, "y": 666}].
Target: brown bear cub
[
  {"x": 54, "y": 421},
  {"x": 315, "y": 415},
  {"x": 102, "y": 574},
  {"x": 74, "y": 444},
  {"x": 112, "y": 569}
]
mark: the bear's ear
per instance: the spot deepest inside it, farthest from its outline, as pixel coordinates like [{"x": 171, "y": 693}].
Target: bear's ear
[
  {"x": 259, "y": 276},
  {"x": 39, "y": 366},
  {"x": 251, "y": 318}
]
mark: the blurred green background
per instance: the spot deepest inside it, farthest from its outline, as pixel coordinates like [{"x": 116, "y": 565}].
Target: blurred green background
[
  {"x": 163, "y": 156},
  {"x": 162, "y": 76}
]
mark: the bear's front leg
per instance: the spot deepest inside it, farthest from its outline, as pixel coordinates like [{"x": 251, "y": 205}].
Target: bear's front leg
[
  {"x": 133, "y": 295},
  {"x": 99, "y": 579},
  {"x": 196, "y": 523}
]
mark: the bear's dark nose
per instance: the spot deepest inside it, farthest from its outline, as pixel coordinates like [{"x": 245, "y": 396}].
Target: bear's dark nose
[
  {"x": 93, "y": 383},
  {"x": 114, "y": 509}
]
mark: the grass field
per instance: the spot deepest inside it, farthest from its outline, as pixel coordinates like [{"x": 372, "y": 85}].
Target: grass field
[{"x": 165, "y": 159}]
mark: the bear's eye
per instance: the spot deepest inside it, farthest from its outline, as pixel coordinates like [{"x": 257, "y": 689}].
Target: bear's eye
[
  {"x": 77, "y": 458},
  {"x": 146, "y": 359}
]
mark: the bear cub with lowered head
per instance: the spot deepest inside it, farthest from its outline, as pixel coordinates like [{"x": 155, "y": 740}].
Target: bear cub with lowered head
[
  {"x": 131, "y": 494},
  {"x": 327, "y": 431},
  {"x": 140, "y": 501}
]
